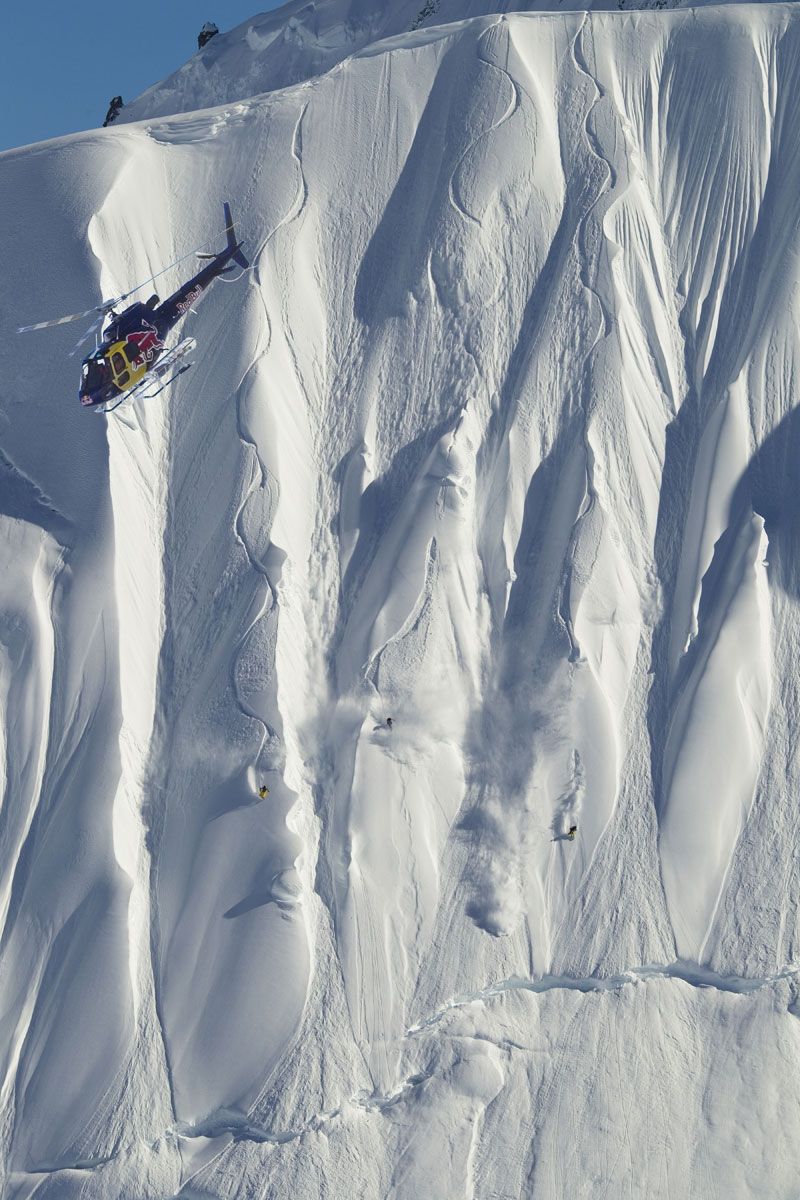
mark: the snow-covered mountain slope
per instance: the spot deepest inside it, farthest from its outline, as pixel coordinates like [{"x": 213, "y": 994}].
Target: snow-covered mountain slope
[
  {"x": 498, "y": 438},
  {"x": 306, "y": 38}
]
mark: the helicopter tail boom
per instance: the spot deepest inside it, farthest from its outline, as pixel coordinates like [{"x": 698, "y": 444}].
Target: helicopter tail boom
[{"x": 230, "y": 234}]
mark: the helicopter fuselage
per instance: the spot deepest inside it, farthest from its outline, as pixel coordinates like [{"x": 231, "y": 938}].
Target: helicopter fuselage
[{"x": 134, "y": 339}]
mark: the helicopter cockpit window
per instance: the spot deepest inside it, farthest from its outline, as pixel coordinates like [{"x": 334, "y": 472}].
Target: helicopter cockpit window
[
  {"x": 120, "y": 367},
  {"x": 95, "y": 374}
]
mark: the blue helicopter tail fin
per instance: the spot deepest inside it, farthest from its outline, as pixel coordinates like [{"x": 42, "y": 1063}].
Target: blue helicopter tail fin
[{"x": 230, "y": 234}]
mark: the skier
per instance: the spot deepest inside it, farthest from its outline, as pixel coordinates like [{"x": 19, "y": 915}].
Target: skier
[
  {"x": 263, "y": 791},
  {"x": 206, "y": 33},
  {"x": 388, "y": 722},
  {"x": 573, "y": 829},
  {"x": 113, "y": 110}
]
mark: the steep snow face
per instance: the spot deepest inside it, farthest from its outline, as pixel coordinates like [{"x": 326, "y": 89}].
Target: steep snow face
[{"x": 498, "y": 439}]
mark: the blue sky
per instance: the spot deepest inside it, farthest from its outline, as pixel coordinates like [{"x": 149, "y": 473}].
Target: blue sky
[{"x": 63, "y": 60}]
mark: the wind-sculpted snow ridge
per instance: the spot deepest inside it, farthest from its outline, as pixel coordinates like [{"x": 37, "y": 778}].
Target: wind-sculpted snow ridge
[
  {"x": 300, "y": 40},
  {"x": 497, "y": 439}
]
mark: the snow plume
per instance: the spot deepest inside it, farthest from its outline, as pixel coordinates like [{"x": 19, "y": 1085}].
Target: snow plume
[
  {"x": 525, "y": 786},
  {"x": 497, "y": 440}
]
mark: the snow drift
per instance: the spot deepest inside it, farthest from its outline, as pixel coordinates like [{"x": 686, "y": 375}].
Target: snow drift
[{"x": 498, "y": 438}]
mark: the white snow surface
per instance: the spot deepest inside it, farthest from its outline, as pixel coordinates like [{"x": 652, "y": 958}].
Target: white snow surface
[
  {"x": 305, "y": 38},
  {"x": 499, "y": 438}
]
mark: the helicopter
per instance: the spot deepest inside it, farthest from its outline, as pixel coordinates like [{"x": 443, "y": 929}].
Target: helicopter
[{"x": 131, "y": 357}]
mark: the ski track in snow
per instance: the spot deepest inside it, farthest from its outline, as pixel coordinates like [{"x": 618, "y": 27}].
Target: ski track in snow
[
  {"x": 511, "y": 108},
  {"x": 591, "y": 501},
  {"x": 246, "y": 437}
]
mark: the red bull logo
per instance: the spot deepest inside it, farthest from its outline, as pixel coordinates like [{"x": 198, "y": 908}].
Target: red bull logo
[
  {"x": 184, "y": 305},
  {"x": 147, "y": 340}
]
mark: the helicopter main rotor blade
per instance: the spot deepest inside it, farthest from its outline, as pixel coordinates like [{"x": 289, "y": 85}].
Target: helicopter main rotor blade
[
  {"x": 104, "y": 308},
  {"x": 84, "y": 338},
  {"x": 90, "y": 312}
]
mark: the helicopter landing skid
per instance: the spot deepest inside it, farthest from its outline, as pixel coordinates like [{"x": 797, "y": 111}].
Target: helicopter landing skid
[
  {"x": 148, "y": 395},
  {"x": 149, "y": 388}
]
